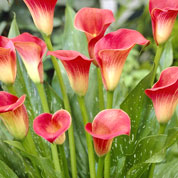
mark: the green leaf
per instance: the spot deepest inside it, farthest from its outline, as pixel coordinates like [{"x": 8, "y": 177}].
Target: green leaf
[
  {"x": 151, "y": 149},
  {"x": 5, "y": 171},
  {"x": 167, "y": 55},
  {"x": 54, "y": 101},
  {"x": 14, "y": 30}
]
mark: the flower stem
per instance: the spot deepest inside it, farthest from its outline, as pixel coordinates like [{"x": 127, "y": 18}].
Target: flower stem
[
  {"x": 54, "y": 151},
  {"x": 100, "y": 167},
  {"x": 66, "y": 105},
  {"x": 152, "y": 166},
  {"x": 108, "y": 156},
  {"x": 156, "y": 61},
  {"x": 109, "y": 99},
  {"x": 100, "y": 90},
  {"x": 55, "y": 157},
  {"x": 88, "y": 137},
  {"x": 64, "y": 161}
]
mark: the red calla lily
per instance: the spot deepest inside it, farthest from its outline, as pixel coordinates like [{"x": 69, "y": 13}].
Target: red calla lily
[
  {"x": 111, "y": 52},
  {"x": 8, "y": 66},
  {"x": 31, "y": 49},
  {"x": 42, "y": 12},
  {"x": 13, "y": 114},
  {"x": 163, "y": 15},
  {"x": 107, "y": 125},
  {"x": 77, "y": 67},
  {"x": 93, "y": 22},
  {"x": 52, "y": 127},
  {"x": 164, "y": 94}
]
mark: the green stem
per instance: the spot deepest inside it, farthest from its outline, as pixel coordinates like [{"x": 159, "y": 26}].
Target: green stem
[
  {"x": 66, "y": 105},
  {"x": 108, "y": 156},
  {"x": 100, "y": 167},
  {"x": 55, "y": 157},
  {"x": 162, "y": 128},
  {"x": 88, "y": 137},
  {"x": 156, "y": 61},
  {"x": 109, "y": 99},
  {"x": 64, "y": 161},
  {"x": 100, "y": 90},
  {"x": 42, "y": 94},
  {"x": 152, "y": 166}
]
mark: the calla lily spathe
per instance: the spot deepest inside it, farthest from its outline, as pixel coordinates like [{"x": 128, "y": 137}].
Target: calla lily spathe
[
  {"x": 14, "y": 115},
  {"x": 52, "y": 127},
  {"x": 164, "y": 94},
  {"x": 93, "y": 22},
  {"x": 42, "y": 12},
  {"x": 31, "y": 49},
  {"x": 111, "y": 52},
  {"x": 107, "y": 125},
  {"x": 8, "y": 68},
  {"x": 163, "y": 15},
  {"x": 77, "y": 67}
]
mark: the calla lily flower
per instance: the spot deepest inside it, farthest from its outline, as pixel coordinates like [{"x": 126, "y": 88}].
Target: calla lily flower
[
  {"x": 13, "y": 114},
  {"x": 31, "y": 49},
  {"x": 52, "y": 127},
  {"x": 111, "y": 52},
  {"x": 107, "y": 125},
  {"x": 42, "y": 12},
  {"x": 164, "y": 94},
  {"x": 77, "y": 67},
  {"x": 163, "y": 15},
  {"x": 8, "y": 66},
  {"x": 93, "y": 22}
]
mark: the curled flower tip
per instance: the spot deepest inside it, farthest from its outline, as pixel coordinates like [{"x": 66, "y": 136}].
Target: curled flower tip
[
  {"x": 93, "y": 22},
  {"x": 8, "y": 68},
  {"x": 164, "y": 94},
  {"x": 107, "y": 125},
  {"x": 52, "y": 127},
  {"x": 163, "y": 16},
  {"x": 42, "y": 12},
  {"x": 31, "y": 49},
  {"x": 14, "y": 115},
  {"x": 77, "y": 67},
  {"x": 111, "y": 52}
]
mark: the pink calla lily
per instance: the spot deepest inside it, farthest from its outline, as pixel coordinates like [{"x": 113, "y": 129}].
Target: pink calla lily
[
  {"x": 107, "y": 125},
  {"x": 52, "y": 127},
  {"x": 164, "y": 94},
  {"x": 8, "y": 68},
  {"x": 111, "y": 52},
  {"x": 42, "y": 12},
  {"x": 163, "y": 15},
  {"x": 13, "y": 114},
  {"x": 93, "y": 22},
  {"x": 31, "y": 49},
  {"x": 77, "y": 67}
]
